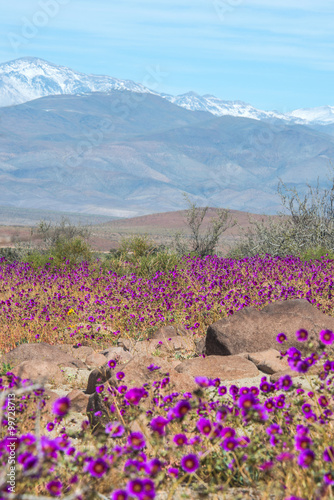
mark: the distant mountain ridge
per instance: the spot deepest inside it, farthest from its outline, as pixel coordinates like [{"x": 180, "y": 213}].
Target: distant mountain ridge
[
  {"x": 29, "y": 78},
  {"x": 84, "y": 154}
]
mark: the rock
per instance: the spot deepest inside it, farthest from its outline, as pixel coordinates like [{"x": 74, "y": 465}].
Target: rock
[
  {"x": 137, "y": 373},
  {"x": 119, "y": 354},
  {"x": 167, "y": 331},
  {"x": 81, "y": 352},
  {"x": 225, "y": 368},
  {"x": 269, "y": 361},
  {"x": 41, "y": 352},
  {"x": 253, "y": 331},
  {"x": 77, "y": 379},
  {"x": 41, "y": 372},
  {"x": 200, "y": 347},
  {"x": 164, "y": 348},
  {"x": 99, "y": 376},
  {"x": 276, "y": 376},
  {"x": 99, "y": 421},
  {"x": 79, "y": 401},
  {"x": 94, "y": 360}
]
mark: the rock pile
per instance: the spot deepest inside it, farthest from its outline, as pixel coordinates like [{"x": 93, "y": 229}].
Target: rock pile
[{"x": 241, "y": 346}]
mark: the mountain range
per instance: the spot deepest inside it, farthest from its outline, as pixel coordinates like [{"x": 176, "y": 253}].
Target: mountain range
[
  {"x": 29, "y": 78},
  {"x": 97, "y": 145}
]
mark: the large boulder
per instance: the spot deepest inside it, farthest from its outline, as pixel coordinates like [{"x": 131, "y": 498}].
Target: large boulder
[
  {"x": 42, "y": 352},
  {"x": 250, "y": 330},
  {"x": 226, "y": 368},
  {"x": 42, "y": 372}
]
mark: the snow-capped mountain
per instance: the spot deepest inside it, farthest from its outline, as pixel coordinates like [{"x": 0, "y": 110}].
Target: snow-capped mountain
[
  {"x": 323, "y": 115},
  {"x": 30, "y": 78},
  {"x": 218, "y": 107}
]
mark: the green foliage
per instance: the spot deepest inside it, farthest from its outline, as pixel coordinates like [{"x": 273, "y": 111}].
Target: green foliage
[
  {"x": 308, "y": 232},
  {"x": 139, "y": 245},
  {"x": 201, "y": 244},
  {"x": 51, "y": 234},
  {"x": 11, "y": 254},
  {"x": 6, "y": 367},
  {"x": 317, "y": 253},
  {"x": 71, "y": 252},
  {"x": 145, "y": 266}
]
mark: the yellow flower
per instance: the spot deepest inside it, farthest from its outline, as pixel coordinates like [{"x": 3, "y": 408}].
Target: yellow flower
[{"x": 70, "y": 312}]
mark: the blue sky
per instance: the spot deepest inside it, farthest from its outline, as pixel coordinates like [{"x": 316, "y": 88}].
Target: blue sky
[{"x": 274, "y": 54}]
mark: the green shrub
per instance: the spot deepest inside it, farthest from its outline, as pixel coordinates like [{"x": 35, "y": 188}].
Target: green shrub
[
  {"x": 309, "y": 231},
  {"x": 71, "y": 252},
  {"x": 139, "y": 245},
  {"x": 317, "y": 253}
]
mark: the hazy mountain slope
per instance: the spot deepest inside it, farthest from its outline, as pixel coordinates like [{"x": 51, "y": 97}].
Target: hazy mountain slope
[{"x": 57, "y": 153}]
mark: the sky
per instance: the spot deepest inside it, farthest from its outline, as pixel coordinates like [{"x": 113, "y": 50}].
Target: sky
[{"x": 273, "y": 54}]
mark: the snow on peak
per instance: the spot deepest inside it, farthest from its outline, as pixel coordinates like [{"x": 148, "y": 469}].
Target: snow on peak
[
  {"x": 323, "y": 115},
  {"x": 29, "y": 78}
]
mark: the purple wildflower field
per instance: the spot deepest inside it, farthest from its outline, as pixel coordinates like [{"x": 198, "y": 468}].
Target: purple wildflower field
[{"x": 275, "y": 438}]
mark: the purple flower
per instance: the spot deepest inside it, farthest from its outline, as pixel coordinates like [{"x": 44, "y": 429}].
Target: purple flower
[
  {"x": 294, "y": 353},
  {"x": 153, "y": 467},
  {"x": 158, "y": 425},
  {"x": 115, "y": 429},
  {"x": 266, "y": 465},
  {"x": 323, "y": 401},
  {"x": 120, "y": 375},
  {"x": 326, "y": 337},
  {"x": 233, "y": 390},
  {"x": 265, "y": 386},
  {"x": 119, "y": 495},
  {"x": 202, "y": 381},
  {"x": 229, "y": 444},
  {"x": 306, "y": 458},
  {"x": 181, "y": 408},
  {"x": 112, "y": 363},
  {"x": 329, "y": 478},
  {"x": 136, "y": 440},
  {"x": 152, "y": 367},
  {"x": 302, "y": 366},
  {"x": 99, "y": 388},
  {"x": 97, "y": 467},
  {"x": 61, "y": 406},
  {"x": 222, "y": 390},
  {"x": 274, "y": 429},
  {"x": 302, "y": 442},
  {"x": 180, "y": 439},
  {"x": 281, "y": 337},
  {"x": 54, "y": 488},
  {"x": 328, "y": 455},
  {"x": 190, "y": 463},
  {"x": 302, "y": 335},
  {"x": 247, "y": 401},
  {"x": 204, "y": 426},
  {"x": 136, "y": 487},
  {"x": 172, "y": 471},
  {"x": 134, "y": 395},
  {"x": 285, "y": 382},
  {"x": 285, "y": 456}
]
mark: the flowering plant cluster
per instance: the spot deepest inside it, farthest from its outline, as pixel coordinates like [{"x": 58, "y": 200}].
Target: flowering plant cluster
[{"x": 276, "y": 438}]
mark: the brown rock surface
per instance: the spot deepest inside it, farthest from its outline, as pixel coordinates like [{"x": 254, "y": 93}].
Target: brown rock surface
[
  {"x": 269, "y": 361},
  {"x": 41, "y": 352},
  {"x": 95, "y": 359},
  {"x": 224, "y": 367},
  {"x": 41, "y": 372},
  {"x": 79, "y": 400},
  {"x": 253, "y": 331}
]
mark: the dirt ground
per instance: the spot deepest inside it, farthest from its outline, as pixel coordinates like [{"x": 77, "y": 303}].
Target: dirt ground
[{"x": 160, "y": 227}]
